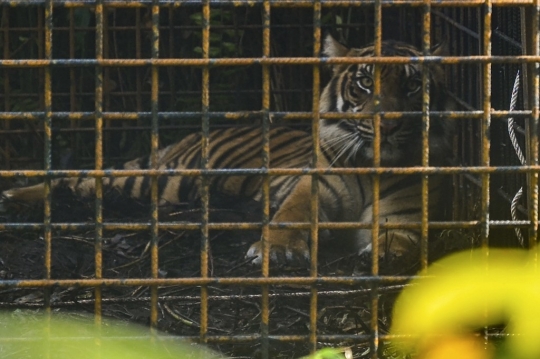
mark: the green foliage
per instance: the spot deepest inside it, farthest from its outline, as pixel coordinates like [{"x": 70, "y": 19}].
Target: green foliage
[
  {"x": 62, "y": 336},
  {"x": 222, "y": 43},
  {"x": 82, "y": 18},
  {"x": 331, "y": 353}
]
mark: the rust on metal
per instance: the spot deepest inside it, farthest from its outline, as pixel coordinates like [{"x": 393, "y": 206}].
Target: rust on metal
[
  {"x": 272, "y": 171},
  {"x": 131, "y": 116},
  {"x": 265, "y": 233},
  {"x": 204, "y": 189},
  {"x": 245, "y": 281},
  {"x": 533, "y": 126},
  {"x": 255, "y": 225},
  {"x": 314, "y": 205},
  {"x": 154, "y": 146},
  {"x": 279, "y": 3},
  {"x": 47, "y": 151},
  {"x": 426, "y": 46},
  {"x": 209, "y": 62},
  {"x": 486, "y": 125}
]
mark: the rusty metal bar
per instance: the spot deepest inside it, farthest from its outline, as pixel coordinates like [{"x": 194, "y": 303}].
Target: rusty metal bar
[
  {"x": 532, "y": 47},
  {"x": 375, "y": 220},
  {"x": 244, "y": 115},
  {"x": 533, "y": 128},
  {"x": 486, "y": 124},
  {"x": 273, "y": 3},
  {"x": 314, "y": 205},
  {"x": 426, "y": 46},
  {"x": 204, "y": 189},
  {"x": 98, "y": 246},
  {"x": 192, "y": 226},
  {"x": 154, "y": 163},
  {"x": 446, "y": 60},
  {"x": 199, "y": 281},
  {"x": 47, "y": 152},
  {"x": 265, "y": 290},
  {"x": 273, "y": 171}
]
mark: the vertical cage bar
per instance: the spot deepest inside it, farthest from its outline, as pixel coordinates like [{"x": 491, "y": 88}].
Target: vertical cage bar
[
  {"x": 533, "y": 48},
  {"x": 486, "y": 124},
  {"x": 426, "y": 45},
  {"x": 315, "y": 179},
  {"x": 265, "y": 302},
  {"x": 154, "y": 249},
  {"x": 98, "y": 113},
  {"x": 374, "y": 323},
  {"x": 485, "y": 140},
  {"x": 47, "y": 127},
  {"x": 204, "y": 165}
]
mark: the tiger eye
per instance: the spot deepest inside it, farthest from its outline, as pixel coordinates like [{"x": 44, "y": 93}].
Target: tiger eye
[
  {"x": 413, "y": 86},
  {"x": 365, "y": 82}
]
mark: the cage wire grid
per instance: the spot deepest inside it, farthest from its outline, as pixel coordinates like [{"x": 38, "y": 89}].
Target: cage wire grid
[{"x": 469, "y": 26}]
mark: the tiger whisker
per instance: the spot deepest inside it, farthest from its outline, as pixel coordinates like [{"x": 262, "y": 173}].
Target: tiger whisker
[
  {"x": 336, "y": 145},
  {"x": 357, "y": 146},
  {"x": 344, "y": 149},
  {"x": 336, "y": 141}
]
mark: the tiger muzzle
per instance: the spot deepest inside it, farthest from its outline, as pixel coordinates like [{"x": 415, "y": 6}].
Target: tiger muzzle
[{"x": 389, "y": 126}]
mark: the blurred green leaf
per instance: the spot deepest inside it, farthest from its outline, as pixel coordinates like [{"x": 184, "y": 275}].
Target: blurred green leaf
[{"x": 62, "y": 336}]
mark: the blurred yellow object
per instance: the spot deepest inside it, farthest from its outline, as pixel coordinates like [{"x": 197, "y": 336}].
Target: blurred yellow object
[
  {"x": 462, "y": 347},
  {"x": 466, "y": 292},
  {"x": 33, "y": 335}
]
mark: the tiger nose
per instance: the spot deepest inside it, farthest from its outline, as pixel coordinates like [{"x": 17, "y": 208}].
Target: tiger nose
[{"x": 388, "y": 126}]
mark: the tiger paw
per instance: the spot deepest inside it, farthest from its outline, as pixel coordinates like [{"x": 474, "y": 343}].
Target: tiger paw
[
  {"x": 4, "y": 202},
  {"x": 10, "y": 202},
  {"x": 295, "y": 252}
]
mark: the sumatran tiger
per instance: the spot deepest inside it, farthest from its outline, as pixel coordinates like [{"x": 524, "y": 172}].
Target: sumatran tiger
[{"x": 343, "y": 143}]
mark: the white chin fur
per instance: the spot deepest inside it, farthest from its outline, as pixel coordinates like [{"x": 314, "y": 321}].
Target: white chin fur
[{"x": 366, "y": 249}]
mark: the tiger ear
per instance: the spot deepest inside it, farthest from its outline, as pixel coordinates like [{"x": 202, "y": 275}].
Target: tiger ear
[
  {"x": 332, "y": 48},
  {"x": 440, "y": 49}
]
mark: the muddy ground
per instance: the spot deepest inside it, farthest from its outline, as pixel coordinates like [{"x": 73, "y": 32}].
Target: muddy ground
[{"x": 233, "y": 310}]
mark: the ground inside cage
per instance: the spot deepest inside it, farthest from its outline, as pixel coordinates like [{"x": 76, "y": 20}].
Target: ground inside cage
[{"x": 232, "y": 310}]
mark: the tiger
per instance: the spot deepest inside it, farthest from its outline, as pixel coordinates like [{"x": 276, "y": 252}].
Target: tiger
[{"x": 344, "y": 143}]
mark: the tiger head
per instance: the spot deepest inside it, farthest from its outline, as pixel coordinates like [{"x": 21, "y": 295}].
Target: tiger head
[{"x": 351, "y": 89}]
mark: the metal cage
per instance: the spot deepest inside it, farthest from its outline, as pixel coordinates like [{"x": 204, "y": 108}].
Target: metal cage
[{"x": 88, "y": 84}]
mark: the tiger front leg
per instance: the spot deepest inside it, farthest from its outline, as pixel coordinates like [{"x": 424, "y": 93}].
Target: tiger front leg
[
  {"x": 288, "y": 246},
  {"x": 393, "y": 244}
]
